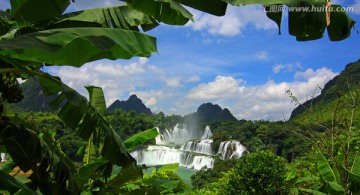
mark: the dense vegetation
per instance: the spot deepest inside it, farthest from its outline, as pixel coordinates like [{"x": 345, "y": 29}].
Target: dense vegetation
[
  {"x": 34, "y": 34},
  {"x": 312, "y": 148}
]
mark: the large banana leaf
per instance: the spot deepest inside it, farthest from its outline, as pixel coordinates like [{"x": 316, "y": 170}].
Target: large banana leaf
[
  {"x": 167, "y": 11},
  {"x": 37, "y": 10},
  {"x": 23, "y": 145},
  {"x": 88, "y": 170},
  {"x": 77, "y": 111},
  {"x": 125, "y": 175},
  {"x": 340, "y": 25},
  {"x": 355, "y": 174},
  {"x": 272, "y": 2},
  {"x": 13, "y": 185},
  {"x": 122, "y": 17},
  {"x": 215, "y": 7},
  {"x": 97, "y": 99},
  {"x": 329, "y": 175},
  {"x": 140, "y": 138},
  {"x": 326, "y": 172},
  {"x": 76, "y": 46}
]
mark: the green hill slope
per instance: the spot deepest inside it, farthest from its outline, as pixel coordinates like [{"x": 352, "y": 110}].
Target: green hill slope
[
  {"x": 34, "y": 99},
  {"x": 133, "y": 103},
  {"x": 335, "y": 100}
]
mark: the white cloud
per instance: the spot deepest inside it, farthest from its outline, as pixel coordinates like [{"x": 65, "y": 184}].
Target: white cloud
[
  {"x": 309, "y": 73},
  {"x": 222, "y": 87},
  {"x": 234, "y": 22},
  {"x": 262, "y": 55},
  {"x": 266, "y": 101},
  {"x": 286, "y": 67},
  {"x": 116, "y": 79}
]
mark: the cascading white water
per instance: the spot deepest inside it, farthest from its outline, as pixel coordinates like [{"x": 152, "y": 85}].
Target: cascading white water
[
  {"x": 157, "y": 155},
  {"x": 231, "y": 149},
  {"x": 200, "y": 162},
  {"x": 207, "y": 133},
  {"x": 199, "y": 146},
  {"x": 196, "y": 151},
  {"x": 179, "y": 135},
  {"x": 3, "y": 157}
]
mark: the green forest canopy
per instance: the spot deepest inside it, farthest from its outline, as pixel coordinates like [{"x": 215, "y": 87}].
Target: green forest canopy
[{"x": 38, "y": 33}]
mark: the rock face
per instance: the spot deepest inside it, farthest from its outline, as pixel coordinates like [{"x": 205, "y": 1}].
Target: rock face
[
  {"x": 334, "y": 89},
  {"x": 133, "y": 103},
  {"x": 210, "y": 112}
]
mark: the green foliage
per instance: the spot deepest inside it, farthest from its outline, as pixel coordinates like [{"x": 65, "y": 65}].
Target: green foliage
[
  {"x": 9, "y": 88},
  {"x": 260, "y": 172},
  {"x": 257, "y": 135},
  {"x": 34, "y": 99},
  {"x": 128, "y": 123},
  {"x": 335, "y": 133},
  {"x": 206, "y": 178},
  {"x": 140, "y": 138},
  {"x": 13, "y": 185},
  {"x": 34, "y": 34},
  {"x": 164, "y": 182}
]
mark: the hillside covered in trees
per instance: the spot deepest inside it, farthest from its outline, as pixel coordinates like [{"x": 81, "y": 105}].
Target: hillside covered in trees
[{"x": 80, "y": 148}]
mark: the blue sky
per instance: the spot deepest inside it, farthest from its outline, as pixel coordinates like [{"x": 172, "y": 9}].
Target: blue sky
[{"x": 237, "y": 61}]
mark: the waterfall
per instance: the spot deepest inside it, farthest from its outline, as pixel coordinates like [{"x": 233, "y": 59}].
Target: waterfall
[
  {"x": 157, "y": 155},
  {"x": 199, "y": 146},
  {"x": 3, "y": 157},
  {"x": 179, "y": 135},
  {"x": 191, "y": 148},
  {"x": 207, "y": 133},
  {"x": 231, "y": 149},
  {"x": 200, "y": 162},
  {"x": 160, "y": 155}
]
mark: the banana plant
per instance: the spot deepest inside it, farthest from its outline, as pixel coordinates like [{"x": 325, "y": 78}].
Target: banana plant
[
  {"x": 38, "y": 33},
  {"x": 333, "y": 180}
]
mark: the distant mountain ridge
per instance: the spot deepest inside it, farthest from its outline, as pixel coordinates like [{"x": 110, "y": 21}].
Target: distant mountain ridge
[
  {"x": 210, "y": 112},
  {"x": 133, "y": 103},
  {"x": 334, "y": 89},
  {"x": 34, "y": 98}
]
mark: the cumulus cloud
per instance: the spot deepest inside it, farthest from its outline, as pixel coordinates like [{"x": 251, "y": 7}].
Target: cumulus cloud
[
  {"x": 222, "y": 87},
  {"x": 234, "y": 22},
  {"x": 286, "y": 67},
  {"x": 266, "y": 101},
  {"x": 116, "y": 79}
]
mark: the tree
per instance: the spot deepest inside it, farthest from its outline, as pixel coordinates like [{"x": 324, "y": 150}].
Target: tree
[
  {"x": 260, "y": 172},
  {"x": 37, "y": 33}
]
